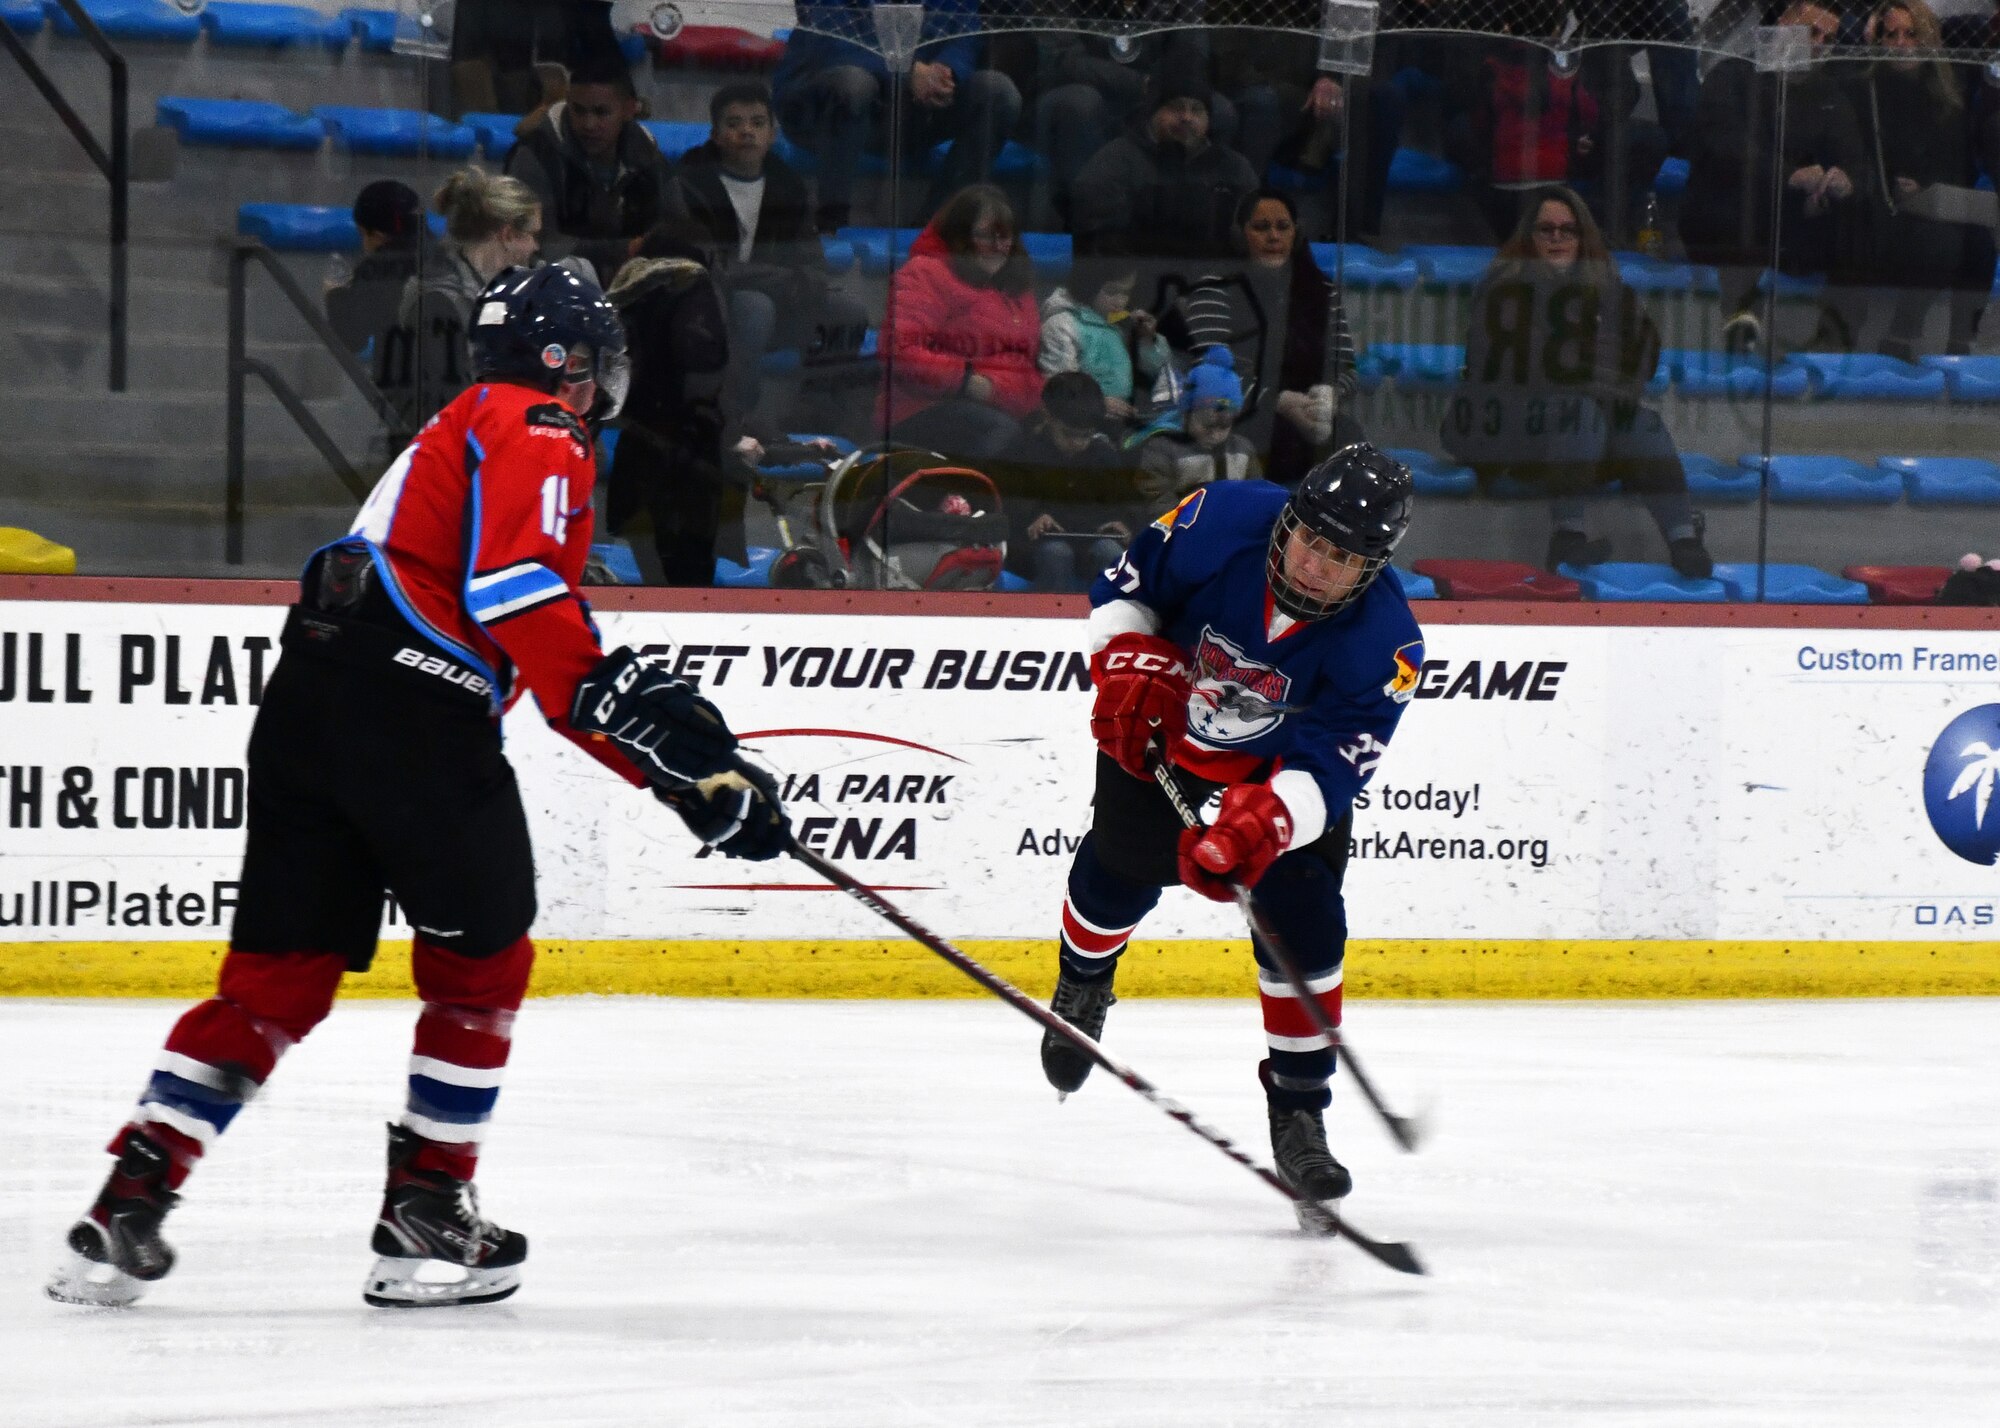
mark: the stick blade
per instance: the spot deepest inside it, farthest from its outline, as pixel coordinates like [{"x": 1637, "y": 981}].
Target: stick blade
[{"x": 1325, "y": 1219}]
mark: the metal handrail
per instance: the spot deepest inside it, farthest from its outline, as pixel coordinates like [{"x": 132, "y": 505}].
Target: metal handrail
[
  {"x": 244, "y": 251},
  {"x": 116, "y": 166}
]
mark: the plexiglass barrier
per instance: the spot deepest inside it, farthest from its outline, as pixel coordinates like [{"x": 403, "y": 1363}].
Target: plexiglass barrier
[{"x": 1657, "y": 302}]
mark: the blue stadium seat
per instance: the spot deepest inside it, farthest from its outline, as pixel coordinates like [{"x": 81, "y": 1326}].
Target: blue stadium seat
[
  {"x": 241, "y": 123},
  {"x": 1946, "y": 480},
  {"x": 1014, "y": 161},
  {"x": 806, "y": 470},
  {"x": 1052, "y": 254},
  {"x": 373, "y": 30},
  {"x": 1008, "y": 583},
  {"x": 1655, "y": 275},
  {"x": 1968, "y": 379},
  {"x": 1618, "y": 580},
  {"x": 24, "y": 17},
  {"x": 1790, "y": 286},
  {"x": 495, "y": 131},
  {"x": 1366, "y": 268},
  {"x": 1716, "y": 483},
  {"x": 1436, "y": 475},
  {"x": 1413, "y": 365},
  {"x": 617, "y": 558},
  {"x": 607, "y": 442},
  {"x": 240, "y": 22},
  {"x": 676, "y": 136},
  {"x": 1413, "y": 171},
  {"x": 1723, "y": 374},
  {"x": 307, "y": 227},
  {"x": 871, "y": 247},
  {"x": 1451, "y": 265},
  {"x": 754, "y": 576},
  {"x": 130, "y": 20},
  {"x": 1870, "y": 377},
  {"x": 784, "y": 361},
  {"x": 1417, "y": 587},
  {"x": 1672, "y": 178},
  {"x": 402, "y": 133},
  {"x": 839, "y": 254},
  {"x": 1789, "y": 584},
  {"x": 1827, "y": 481},
  {"x": 300, "y": 227}
]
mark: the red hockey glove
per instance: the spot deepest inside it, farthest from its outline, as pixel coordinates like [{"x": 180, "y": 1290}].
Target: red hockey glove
[
  {"x": 1249, "y": 832},
  {"x": 1142, "y": 693}
]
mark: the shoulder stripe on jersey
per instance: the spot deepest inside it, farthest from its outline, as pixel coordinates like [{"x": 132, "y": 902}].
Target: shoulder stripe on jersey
[{"x": 512, "y": 590}]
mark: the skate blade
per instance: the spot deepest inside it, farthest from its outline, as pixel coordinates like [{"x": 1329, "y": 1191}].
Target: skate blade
[
  {"x": 433, "y": 1284},
  {"x": 1319, "y": 1217},
  {"x": 93, "y": 1284}
]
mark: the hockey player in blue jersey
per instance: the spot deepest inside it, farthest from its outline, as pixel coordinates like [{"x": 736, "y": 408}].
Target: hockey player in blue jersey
[{"x": 1262, "y": 641}]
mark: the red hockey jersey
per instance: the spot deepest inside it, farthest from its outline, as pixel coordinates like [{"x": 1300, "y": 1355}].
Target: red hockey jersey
[{"x": 483, "y": 525}]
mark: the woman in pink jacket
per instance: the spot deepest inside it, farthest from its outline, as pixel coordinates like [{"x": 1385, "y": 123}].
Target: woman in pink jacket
[{"x": 964, "y": 331}]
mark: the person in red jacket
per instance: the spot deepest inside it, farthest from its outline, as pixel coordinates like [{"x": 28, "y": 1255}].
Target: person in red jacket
[
  {"x": 375, "y": 768},
  {"x": 963, "y": 332}
]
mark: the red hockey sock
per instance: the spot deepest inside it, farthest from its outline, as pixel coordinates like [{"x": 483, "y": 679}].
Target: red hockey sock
[
  {"x": 460, "y": 1049},
  {"x": 222, "y": 1050}
]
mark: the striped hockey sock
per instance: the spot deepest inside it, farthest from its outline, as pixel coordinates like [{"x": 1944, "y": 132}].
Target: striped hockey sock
[
  {"x": 1301, "y": 1055},
  {"x": 459, "y": 1055}
]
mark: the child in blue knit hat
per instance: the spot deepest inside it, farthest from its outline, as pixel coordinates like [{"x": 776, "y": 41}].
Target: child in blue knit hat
[{"x": 1197, "y": 443}]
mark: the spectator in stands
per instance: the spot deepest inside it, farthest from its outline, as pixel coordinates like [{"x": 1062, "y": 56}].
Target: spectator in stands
[
  {"x": 1162, "y": 189},
  {"x": 1091, "y": 81},
  {"x": 1071, "y": 499},
  {"x": 1930, "y": 232},
  {"x": 753, "y": 213},
  {"x": 1726, "y": 213},
  {"x": 1539, "y": 116},
  {"x": 1666, "y": 31},
  {"x": 498, "y": 47},
  {"x": 491, "y": 223},
  {"x": 601, "y": 179},
  {"x": 963, "y": 332},
  {"x": 1282, "y": 320},
  {"x": 669, "y": 462},
  {"x": 1197, "y": 442},
  {"x": 833, "y": 88},
  {"x": 1557, "y": 361},
  {"x": 364, "y": 303},
  {"x": 1117, "y": 346},
  {"x": 1294, "y": 113}
]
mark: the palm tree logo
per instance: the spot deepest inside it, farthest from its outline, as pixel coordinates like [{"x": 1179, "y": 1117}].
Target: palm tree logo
[{"x": 1977, "y": 778}]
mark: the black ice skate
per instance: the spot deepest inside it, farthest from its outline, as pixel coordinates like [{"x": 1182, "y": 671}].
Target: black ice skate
[
  {"x": 115, "y": 1251},
  {"x": 1082, "y": 1004},
  {"x": 1298, "y": 1145},
  {"x": 433, "y": 1249}
]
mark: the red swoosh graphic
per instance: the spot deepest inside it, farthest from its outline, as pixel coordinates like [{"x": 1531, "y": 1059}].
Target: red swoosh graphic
[{"x": 850, "y": 734}]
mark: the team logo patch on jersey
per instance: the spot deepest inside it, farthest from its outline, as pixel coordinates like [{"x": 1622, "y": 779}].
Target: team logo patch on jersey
[
  {"x": 1402, "y": 687},
  {"x": 553, "y": 419},
  {"x": 1235, "y": 699},
  {"x": 1183, "y": 515}
]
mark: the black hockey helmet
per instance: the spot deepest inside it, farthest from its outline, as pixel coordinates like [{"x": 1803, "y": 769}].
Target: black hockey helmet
[
  {"x": 548, "y": 327},
  {"x": 1355, "y": 503}
]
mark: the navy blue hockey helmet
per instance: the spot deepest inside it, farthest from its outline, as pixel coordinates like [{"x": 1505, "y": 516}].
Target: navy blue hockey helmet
[
  {"x": 548, "y": 327},
  {"x": 1351, "y": 509}
]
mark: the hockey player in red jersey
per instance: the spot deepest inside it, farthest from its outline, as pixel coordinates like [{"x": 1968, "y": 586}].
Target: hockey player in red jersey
[{"x": 375, "y": 766}]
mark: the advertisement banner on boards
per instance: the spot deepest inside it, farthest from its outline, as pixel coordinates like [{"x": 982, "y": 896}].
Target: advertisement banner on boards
[{"x": 1546, "y": 782}]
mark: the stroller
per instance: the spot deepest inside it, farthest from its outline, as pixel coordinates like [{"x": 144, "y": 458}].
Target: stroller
[{"x": 892, "y": 517}]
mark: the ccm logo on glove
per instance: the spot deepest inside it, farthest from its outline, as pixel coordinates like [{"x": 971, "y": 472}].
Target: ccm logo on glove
[{"x": 1142, "y": 692}]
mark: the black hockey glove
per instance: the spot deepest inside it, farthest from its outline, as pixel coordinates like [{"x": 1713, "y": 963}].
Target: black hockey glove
[
  {"x": 739, "y": 816},
  {"x": 674, "y": 735}
]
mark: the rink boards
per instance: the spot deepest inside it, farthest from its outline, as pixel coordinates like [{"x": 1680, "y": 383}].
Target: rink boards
[{"x": 1581, "y": 801}]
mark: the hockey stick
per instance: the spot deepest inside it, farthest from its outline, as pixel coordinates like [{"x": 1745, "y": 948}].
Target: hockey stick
[
  {"x": 1407, "y": 1131},
  {"x": 1397, "y": 1256}
]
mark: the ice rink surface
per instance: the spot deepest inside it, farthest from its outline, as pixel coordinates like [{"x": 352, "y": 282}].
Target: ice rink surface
[{"x": 876, "y": 1214}]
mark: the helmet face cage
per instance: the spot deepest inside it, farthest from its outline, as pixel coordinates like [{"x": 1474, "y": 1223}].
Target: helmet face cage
[{"x": 1295, "y": 600}]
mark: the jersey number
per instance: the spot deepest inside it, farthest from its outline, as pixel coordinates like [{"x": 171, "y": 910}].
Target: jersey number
[{"x": 555, "y": 508}]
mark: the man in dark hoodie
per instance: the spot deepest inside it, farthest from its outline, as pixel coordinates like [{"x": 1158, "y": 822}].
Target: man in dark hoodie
[
  {"x": 753, "y": 213},
  {"x": 1162, "y": 189},
  {"x": 364, "y": 303},
  {"x": 601, "y": 178}
]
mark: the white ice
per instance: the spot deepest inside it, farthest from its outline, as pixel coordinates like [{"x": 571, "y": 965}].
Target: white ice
[{"x": 876, "y": 1214}]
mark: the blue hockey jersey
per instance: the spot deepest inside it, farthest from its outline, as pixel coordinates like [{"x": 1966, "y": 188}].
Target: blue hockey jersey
[{"x": 1313, "y": 703}]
